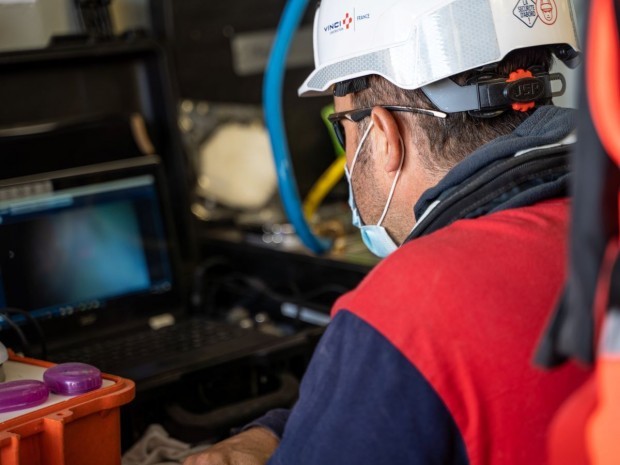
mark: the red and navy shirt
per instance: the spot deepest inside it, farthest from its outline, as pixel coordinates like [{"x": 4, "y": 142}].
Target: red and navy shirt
[{"x": 429, "y": 360}]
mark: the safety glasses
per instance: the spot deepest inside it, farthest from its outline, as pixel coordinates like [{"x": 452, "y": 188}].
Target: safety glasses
[{"x": 359, "y": 114}]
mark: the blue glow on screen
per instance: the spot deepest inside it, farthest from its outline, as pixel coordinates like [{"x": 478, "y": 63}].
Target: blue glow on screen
[
  {"x": 90, "y": 253},
  {"x": 102, "y": 242}
]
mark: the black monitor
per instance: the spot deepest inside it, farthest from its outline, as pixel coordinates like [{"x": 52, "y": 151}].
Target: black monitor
[{"x": 84, "y": 239}]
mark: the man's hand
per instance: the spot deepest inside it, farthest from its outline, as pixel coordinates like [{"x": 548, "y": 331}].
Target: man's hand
[{"x": 252, "y": 447}]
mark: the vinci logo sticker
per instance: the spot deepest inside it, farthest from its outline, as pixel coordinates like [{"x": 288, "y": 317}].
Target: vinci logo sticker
[
  {"x": 526, "y": 12},
  {"x": 346, "y": 22},
  {"x": 547, "y": 11},
  {"x": 333, "y": 27}
]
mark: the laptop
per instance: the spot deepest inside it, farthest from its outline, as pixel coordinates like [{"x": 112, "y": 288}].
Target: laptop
[{"x": 90, "y": 254}]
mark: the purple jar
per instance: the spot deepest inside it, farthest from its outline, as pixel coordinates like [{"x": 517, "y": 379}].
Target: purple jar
[
  {"x": 22, "y": 394},
  {"x": 71, "y": 379}
]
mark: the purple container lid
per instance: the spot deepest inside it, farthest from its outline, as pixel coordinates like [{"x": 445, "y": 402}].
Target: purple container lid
[
  {"x": 70, "y": 379},
  {"x": 22, "y": 394}
]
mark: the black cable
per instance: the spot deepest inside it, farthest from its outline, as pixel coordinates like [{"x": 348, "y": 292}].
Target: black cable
[
  {"x": 197, "y": 298},
  {"x": 238, "y": 280},
  {"x": 35, "y": 323},
  {"x": 258, "y": 287},
  {"x": 203, "y": 296},
  {"x": 18, "y": 331},
  {"x": 327, "y": 289},
  {"x": 242, "y": 283}
]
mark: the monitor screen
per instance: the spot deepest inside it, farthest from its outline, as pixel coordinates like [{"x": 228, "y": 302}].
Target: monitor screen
[{"x": 65, "y": 249}]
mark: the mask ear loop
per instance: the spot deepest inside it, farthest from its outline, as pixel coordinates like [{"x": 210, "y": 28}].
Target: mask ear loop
[
  {"x": 359, "y": 147},
  {"x": 389, "y": 200}
]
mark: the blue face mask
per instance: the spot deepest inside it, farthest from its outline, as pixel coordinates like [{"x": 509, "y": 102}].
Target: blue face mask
[{"x": 375, "y": 237}]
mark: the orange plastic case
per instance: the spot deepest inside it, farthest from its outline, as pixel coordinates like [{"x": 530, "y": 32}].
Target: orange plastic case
[{"x": 83, "y": 430}]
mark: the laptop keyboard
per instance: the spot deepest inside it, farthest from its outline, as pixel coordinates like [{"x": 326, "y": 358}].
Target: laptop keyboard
[{"x": 186, "y": 336}]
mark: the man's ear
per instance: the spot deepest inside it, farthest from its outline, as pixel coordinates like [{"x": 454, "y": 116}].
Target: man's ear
[{"x": 390, "y": 138}]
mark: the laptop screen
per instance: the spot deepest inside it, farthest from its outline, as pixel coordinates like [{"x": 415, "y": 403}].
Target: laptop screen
[{"x": 80, "y": 242}]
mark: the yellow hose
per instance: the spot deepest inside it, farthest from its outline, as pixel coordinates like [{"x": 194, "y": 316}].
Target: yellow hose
[
  {"x": 323, "y": 186},
  {"x": 330, "y": 177}
]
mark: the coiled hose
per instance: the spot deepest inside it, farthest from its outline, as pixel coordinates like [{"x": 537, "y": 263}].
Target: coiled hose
[{"x": 274, "y": 118}]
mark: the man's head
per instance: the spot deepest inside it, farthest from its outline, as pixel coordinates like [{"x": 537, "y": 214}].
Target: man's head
[
  {"x": 455, "y": 56},
  {"x": 446, "y": 141}
]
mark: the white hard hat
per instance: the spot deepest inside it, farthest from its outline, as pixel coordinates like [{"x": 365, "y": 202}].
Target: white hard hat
[{"x": 414, "y": 43}]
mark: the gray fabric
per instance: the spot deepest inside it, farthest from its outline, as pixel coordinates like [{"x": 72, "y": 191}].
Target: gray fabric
[
  {"x": 156, "y": 447},
  {"x": 610, "y": 346}
]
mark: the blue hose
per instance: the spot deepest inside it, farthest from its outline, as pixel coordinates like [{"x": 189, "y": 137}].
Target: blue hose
[{"x": 272, "y": 104}]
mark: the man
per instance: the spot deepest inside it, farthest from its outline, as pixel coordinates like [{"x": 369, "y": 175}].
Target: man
[{"x": 443, "y": 108}]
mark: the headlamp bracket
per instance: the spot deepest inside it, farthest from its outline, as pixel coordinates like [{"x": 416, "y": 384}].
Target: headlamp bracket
[
  {"x": 520, "y": 93},
  {"x": 489, "y": 96}
]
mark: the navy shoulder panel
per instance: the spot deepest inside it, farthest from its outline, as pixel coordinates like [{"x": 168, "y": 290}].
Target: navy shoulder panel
[{"x": 363, "y": 402}]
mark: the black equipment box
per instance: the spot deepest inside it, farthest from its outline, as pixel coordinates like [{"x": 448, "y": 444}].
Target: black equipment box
[{"x": 77, "y": 102}]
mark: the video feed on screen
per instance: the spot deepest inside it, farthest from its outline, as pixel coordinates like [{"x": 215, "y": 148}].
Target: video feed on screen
[
  {"x": 90, "y": 244},
  {"x": 76, "y": 255}
]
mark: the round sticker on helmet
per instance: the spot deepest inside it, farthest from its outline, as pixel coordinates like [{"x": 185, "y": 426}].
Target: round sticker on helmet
[{"x": 547, "y": 11}]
